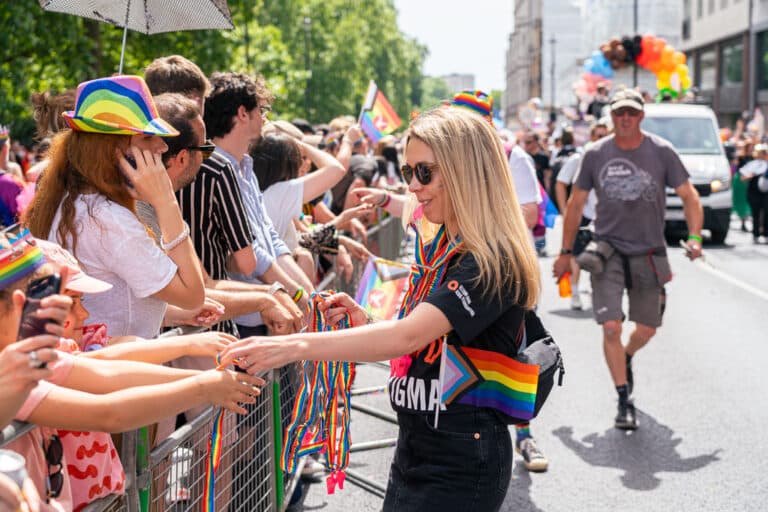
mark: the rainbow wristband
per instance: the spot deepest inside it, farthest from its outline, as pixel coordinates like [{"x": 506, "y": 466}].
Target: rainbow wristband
[
  {"x": 298, "y": 295},
  {"x": 696, "y": 237}
]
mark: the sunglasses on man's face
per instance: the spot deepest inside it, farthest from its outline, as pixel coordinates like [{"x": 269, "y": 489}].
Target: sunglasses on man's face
[
  {"x": 621, "y": 112},
  {"x": 206, "y": 149},
  {"x": 421, "y": 170},
  {"x": 54, "y": 452}
]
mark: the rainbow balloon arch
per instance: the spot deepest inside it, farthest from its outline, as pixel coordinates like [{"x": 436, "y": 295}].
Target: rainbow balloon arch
[{"x": 647, "y": 51}]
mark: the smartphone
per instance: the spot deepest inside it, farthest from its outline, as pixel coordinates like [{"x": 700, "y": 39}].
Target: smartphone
[
  {"x": 132, "y": 162},
  {"x": 31, "y": 324}
]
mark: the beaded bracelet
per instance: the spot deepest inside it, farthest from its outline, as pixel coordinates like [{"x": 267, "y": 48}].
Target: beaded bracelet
[{"x": 176, "y": 241}]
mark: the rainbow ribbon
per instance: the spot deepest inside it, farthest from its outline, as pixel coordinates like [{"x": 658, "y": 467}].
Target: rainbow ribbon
[
  {"x": 321, "y": 412},
  {"x": 213, "y": 459},
  {"x": 427, "y": 274}
]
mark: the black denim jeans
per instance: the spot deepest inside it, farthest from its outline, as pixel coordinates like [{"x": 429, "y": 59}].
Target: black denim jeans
[{"x": 464, "y": 465}]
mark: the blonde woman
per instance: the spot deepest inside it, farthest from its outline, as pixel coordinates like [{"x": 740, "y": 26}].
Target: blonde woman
[{"x": 477, "y": 279}]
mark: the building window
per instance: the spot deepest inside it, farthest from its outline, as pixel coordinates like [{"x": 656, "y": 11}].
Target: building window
[
  {"x": 762, "y": 60},
  {"x": 723, "y": 4},
  {"x": 690, "y": 60},
  {"x": 699, "y": 8},
  {"x": 731, "y": 63},
  {"x": 711, "y": 8},
  {"x": 707, "y": 72}
]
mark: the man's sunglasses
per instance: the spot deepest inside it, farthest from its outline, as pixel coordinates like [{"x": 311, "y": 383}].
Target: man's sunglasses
[
  {"x": 631, "y": 112},
  {"x": 54, "y": 452},
  {"x": 421, "y": 170},
  {"x": 206, "y": 149}
]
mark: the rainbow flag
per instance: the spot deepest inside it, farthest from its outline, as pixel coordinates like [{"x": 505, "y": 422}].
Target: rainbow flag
[
  {"x": 482, "y": 378},
  {"x": 378, "y": 118},
  {"x": 380, "y": 297}
]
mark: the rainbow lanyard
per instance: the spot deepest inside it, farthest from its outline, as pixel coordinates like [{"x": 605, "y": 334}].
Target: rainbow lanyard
[
  {"x": 212, "y": 461},
  {"x": 320, "y": 415},
  {"x": 427, "y": 274},
  {"x": 428, "y": 271}
]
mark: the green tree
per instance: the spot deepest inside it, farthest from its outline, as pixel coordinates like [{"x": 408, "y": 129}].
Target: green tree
[
  {"x": 348, "y": 43},
  {"x": 436, "y": 91}
]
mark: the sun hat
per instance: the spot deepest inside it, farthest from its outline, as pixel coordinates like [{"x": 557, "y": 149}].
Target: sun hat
[
  {"x": 19, "y": 255},
  {"x": 475, "y": 100},
  {"x": 627, "y": 98},
  {"x": 118, "y": 105},
  {"x": 78, "y": 280}
]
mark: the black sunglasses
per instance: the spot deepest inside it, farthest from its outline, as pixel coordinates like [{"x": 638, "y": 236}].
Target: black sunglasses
[
  {"x": 53, "y": 455},
  {"x": 206, "y": 149},
  {"x": 421, "y": 170}
]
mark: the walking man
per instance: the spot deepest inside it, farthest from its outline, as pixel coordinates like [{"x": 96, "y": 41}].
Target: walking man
[{"x": 629, "y": 172}]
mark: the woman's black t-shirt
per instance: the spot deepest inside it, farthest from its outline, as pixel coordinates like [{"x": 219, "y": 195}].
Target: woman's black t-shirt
[{"x": 479, "y": 321}]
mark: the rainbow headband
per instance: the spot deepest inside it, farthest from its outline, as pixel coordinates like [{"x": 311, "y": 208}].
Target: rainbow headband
[{"x": 19, "y": 258}]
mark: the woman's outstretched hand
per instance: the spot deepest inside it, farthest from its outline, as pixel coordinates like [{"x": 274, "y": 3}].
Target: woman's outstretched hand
[
  {"x": 338, "y": 305},
  {"x": 257, "y": 354}
]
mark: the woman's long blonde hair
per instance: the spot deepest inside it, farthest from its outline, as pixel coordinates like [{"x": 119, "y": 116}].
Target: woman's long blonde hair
[
  {"x": 482, "y": 200},
  {"x": 80, "y": 163}
]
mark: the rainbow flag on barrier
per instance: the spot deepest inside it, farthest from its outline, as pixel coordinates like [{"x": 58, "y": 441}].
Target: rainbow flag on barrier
[
  {"x": 378, "y": 118},
  {"x": 381, "y": 287},
  {"x": 482, "y": 378}
]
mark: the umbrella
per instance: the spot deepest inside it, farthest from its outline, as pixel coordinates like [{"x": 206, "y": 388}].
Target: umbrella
[{"x": 148, "y": 16}]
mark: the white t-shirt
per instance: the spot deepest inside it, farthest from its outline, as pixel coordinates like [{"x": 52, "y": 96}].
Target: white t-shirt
[
  {"x": 283, "y": 202},
  {"x": 112, "y": 245},
  {"x": 568, "y": 174},
  {"x": 524, "y": 176}
]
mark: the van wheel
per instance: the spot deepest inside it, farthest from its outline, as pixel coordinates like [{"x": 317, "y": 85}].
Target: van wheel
[{"x": 718, "y": 237}]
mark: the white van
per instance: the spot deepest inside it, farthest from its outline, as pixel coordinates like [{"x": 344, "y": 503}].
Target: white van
[{"x": 693, "y": 131}]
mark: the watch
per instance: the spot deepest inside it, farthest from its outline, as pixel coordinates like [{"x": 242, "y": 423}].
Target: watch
[
  {"x": 277, "y": 286},
  {"x": 566, "y": 251}
]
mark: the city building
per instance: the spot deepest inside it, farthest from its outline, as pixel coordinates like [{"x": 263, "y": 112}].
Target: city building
[
  {"x": 523, "y": 67},
  {"x": 458, "y": 81},
  {"x": 726, "y": 42},
  {"x": 552, "y": 38}
]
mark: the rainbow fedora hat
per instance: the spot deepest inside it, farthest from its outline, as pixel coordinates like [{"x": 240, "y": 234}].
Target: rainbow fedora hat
[{"x": 117, "y": 105}]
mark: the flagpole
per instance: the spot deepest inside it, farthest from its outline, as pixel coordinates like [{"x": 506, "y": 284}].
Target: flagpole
[{"x": 440, "y": 379}]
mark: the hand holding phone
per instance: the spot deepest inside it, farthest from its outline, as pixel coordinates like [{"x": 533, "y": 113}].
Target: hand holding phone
[{"x": 32, "y": 324}]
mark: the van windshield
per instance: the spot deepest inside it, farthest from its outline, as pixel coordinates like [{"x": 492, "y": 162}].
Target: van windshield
[{"x": 689, "y": 135}]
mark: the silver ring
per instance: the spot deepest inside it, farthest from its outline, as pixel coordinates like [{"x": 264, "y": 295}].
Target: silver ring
[{"x": 34, "y": 361}]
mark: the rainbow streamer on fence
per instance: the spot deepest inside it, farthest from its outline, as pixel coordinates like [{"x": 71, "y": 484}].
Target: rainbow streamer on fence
[
  {"x": 213, "y": 459},
  {"x": 320, "y": 415}
]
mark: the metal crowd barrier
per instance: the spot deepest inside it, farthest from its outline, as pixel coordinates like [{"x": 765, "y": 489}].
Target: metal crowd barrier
[{"x": 171, "y": 477}]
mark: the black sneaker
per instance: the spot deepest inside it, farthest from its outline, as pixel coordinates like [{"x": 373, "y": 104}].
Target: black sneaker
[
  {"x": 626, "y": 419},
  {"x": 630, "y": 376}
]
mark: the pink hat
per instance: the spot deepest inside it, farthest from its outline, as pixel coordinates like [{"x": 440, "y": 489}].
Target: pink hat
[{"x": 78, "y": 281}]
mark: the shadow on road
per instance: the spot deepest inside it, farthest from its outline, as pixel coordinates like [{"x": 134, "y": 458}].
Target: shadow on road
[
  {"x": 519, "y": 492},
  {"x": 640, "y": 454},
  {"x": 572, "y": 313}
]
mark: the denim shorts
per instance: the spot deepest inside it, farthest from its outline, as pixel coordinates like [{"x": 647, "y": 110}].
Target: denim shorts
[{"x": 463, "y": 465}]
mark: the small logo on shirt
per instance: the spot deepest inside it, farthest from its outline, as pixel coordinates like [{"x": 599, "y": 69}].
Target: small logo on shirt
[{"x": 463, "y": 296}]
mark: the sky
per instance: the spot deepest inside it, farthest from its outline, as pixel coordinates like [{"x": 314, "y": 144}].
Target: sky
[{"x": 468, "y": 36}]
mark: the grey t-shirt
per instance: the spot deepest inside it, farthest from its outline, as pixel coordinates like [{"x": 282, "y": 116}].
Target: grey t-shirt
[{"x": 630, "y": 190}]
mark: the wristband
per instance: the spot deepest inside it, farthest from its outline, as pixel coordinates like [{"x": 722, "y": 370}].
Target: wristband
[
  {"x": 386, "y": 201},
  {"x": 298, "y": 295},
  {"x": 696, "y": 237},
  {"x": 276, "y": 287},
  {"x": 566, "y": 251},
  {"x": 176, "y": 241}
]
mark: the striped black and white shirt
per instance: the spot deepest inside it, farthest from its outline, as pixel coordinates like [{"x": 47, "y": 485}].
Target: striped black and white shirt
[{"x": 218, "y": 224}]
